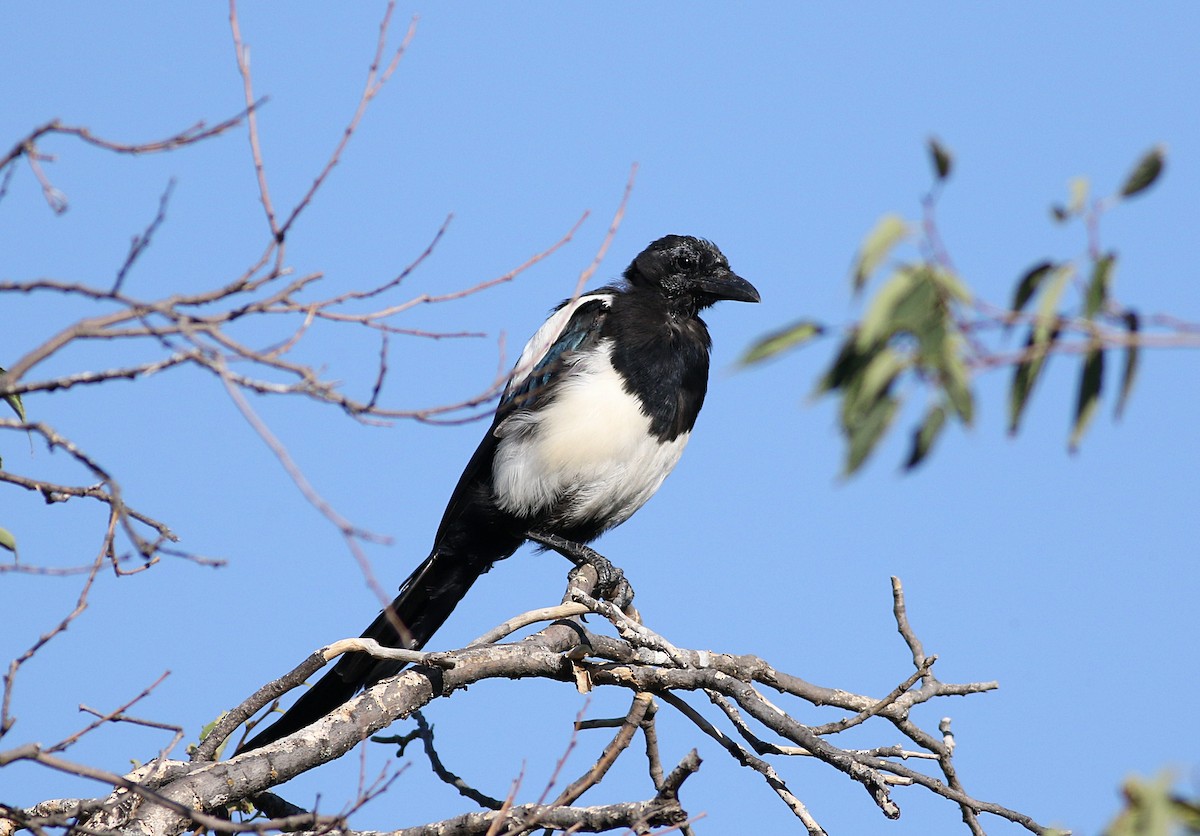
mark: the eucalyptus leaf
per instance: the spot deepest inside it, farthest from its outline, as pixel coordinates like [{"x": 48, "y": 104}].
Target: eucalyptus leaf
[
  {"x": 955, "y": 381},
  {"x": 879, "y": 375},
  {"x": 921, "y": 305},
  {"x": 888, "y": 232},
  {"x": 925, "y": 435},
  {"x": 208, "y": 727},
  {"x": 1091, "y": 379},
  {"x": 1147, "y": 170},
  {"x": 1029, "y": 284},
  {"x": 776, "y": 342},
  {"x": 865, "y": 435},
  {"x": 1098, "y": 287},
  {"x": 943, "y": 160},
  {"x": 1150, "y": 810},
  {"x": 1047, "y": 308},
  {"x": 1129, "y": 371},
  {"x": 1025, "y": 376},
  {"x": 845, "y": 367},
  {"x": 1079, "y": 188},
  {"x": 878, "y": 320},
  {"x": 15, "y": 402},
  {"x": 950, "y": 283},
  {"x": 7, "y": 541}
]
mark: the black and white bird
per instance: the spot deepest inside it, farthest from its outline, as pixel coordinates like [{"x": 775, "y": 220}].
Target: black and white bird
[{"x": 593, "y": 419}]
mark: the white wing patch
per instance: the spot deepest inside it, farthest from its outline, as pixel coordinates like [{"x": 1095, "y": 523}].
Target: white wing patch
[
  {"x": 545, "y": 337},
  {"x": 591, "y": 443}
]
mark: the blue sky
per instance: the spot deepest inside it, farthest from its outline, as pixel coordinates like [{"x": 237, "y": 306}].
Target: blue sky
[{"x": 782, "y": 132}]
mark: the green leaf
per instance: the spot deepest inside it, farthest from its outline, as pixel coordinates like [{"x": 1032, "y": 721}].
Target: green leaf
[
  {"x": 867, "y": 406},
  {"x": 954, "y": 380},
  {"x": 1076, "y": 205},
  {"x": 776, "y": 342},
  {"x": 889, "y": 231},
  {"x": 1097, "y": 290},
  {"x": 926, "y": 434},
  {"x": 1188, "y": 813},
  {"x": 1150, "y": 810},
  {"x": 1029, "y": 284},
  {"x": 1129, "y": 372},
  {"x": 15, "y": 402},
  {"x": 1147, "y": 170},
  {"x": 1079, "y": 187},
  {"x": 943, "y": 160},
  {"x": 205, "y": 731},
  {"x": 1024, "y": 378},
  {"x": 7, "y": 541},
  {"x": 922, "y": 312},
  {"x": 1047, "y": 309},
  {"x": 848, "y": 363},
  {"x": 876, "y": 379},
  {"x": 1090, "y": 381},
  {"x": 865, "y": 435},
  {"x": 878, "y": 323},
  {"x": 208, "y": 727},
  {"x": 950, "y": 283}
]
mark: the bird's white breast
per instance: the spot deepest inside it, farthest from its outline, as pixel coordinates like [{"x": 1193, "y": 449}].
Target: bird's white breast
[{"x": 592, "y": 443}]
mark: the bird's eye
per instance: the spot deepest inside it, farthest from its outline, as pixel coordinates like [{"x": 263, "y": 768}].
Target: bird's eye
[{"x": 686, "y": 262}]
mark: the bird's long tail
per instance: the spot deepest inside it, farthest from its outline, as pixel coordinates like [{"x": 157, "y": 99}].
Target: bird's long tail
[{"x": 425, "y": 601}]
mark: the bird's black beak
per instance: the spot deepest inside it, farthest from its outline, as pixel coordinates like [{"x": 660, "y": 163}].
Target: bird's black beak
[{"x": 729, "y": 285}]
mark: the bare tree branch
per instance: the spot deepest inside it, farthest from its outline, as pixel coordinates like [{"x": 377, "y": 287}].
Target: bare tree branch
[{"x": 552, "y": 654}]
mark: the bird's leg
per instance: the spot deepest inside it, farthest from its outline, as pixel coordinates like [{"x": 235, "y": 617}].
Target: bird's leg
[{"x": 611, "y": 582}]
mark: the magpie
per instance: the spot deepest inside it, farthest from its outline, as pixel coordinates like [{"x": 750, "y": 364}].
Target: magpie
[{"x": 593, "y": 418}]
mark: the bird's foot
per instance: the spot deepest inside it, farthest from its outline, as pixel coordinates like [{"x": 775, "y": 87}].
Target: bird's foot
[{"x": 610, "y": 584}]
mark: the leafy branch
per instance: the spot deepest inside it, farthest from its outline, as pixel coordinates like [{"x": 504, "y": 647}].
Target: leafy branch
[{"x": 924, "y": 331}]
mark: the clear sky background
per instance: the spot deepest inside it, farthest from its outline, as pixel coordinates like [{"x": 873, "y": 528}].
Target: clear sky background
[{"x": 781, "y": 131}]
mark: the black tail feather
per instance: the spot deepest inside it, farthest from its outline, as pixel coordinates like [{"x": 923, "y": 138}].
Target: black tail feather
[{"x": 425, "y": 601}]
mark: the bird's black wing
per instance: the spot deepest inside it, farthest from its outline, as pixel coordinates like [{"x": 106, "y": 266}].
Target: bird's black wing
[{"x": 552, "y": 348}]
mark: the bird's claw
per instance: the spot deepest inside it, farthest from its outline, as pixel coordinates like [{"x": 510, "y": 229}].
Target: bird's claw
[{"x": 611, "y": 583}]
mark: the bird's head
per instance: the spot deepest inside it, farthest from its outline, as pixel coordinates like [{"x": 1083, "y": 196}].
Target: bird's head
[{"x": 683, "y": 267}]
